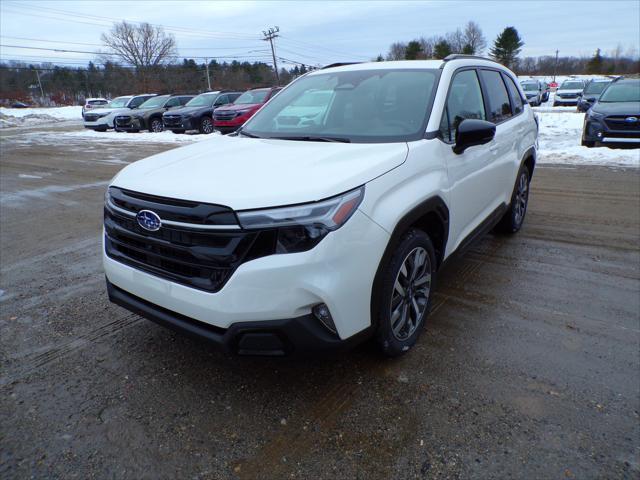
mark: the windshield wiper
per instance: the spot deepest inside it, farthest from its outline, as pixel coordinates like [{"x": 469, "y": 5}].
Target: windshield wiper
[
  {"x": 315, "y": 139},
  {"x": 250, "y": 135}
]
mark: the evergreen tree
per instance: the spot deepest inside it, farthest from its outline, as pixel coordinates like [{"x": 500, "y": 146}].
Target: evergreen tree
[
  {"x": 413, "y": 51},
  {"x": 595, "y": 65},
  {"x": 506, "y": 47},
  {"x": 442, "y": 49}
]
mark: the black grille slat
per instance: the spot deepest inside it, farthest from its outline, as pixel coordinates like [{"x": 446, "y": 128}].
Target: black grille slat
[
  {"x": 619, "y": 123},
  {"x": 198, "y": 258}
]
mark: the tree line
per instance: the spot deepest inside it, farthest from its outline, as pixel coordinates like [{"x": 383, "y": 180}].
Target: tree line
[{"x": 506, "y": 49}]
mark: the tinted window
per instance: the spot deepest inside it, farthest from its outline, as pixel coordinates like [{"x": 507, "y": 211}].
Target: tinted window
[
  {"x": 173, "y": 102},
  {"x": 222, "y": 100},
  {"x": 499, "y": 106},
  {"x": 571, "y": 85},
  {"x": 136, "y": 102},
  {"x": 596, "y": 87},
  {"x": 515, "y": 95},
  {"x": 233, "y": 96},
  {"x": 464, "y": 101}
]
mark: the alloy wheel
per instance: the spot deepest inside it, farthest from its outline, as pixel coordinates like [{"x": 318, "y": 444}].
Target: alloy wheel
[
  {"x": 156, "y": 126},
  {"x": 410, "y": 293},
  {"x": 207, "y": 125},
  {"x": 522, "y": 196}
]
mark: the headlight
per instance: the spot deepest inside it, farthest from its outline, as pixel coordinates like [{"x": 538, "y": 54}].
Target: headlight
[
  {"x": 595, "y": 115},
  {"x": 242, "y": 112},
  {"x": 301, "y": 227}
]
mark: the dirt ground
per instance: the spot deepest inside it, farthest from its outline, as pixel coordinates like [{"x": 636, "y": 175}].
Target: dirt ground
[{"x": 529, "y": 366}]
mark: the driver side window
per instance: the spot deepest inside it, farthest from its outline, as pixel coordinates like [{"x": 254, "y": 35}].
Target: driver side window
[{"x": 464, "y": 101}]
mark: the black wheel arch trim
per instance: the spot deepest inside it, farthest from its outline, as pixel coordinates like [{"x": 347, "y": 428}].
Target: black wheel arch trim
[{"x": 434, "y": 205}]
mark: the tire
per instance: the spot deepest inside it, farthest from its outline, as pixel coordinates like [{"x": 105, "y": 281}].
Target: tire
[
  {"x": 405, "y": 293},
  {"x": 588, "y": 143},
  {"x": 206, "y": 125},
  {"x": 513, "y": 219},
  {"x": 155, "y": 125},
  {"x": 178, "y": 131}
]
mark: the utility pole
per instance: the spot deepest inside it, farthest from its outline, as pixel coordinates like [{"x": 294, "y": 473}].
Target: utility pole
[
  {"x": 555, "y": 68},
  {"x": 269, "y": 35},
  {"x": 40, "y": 83},
  {"x": 208, "y": 79}
]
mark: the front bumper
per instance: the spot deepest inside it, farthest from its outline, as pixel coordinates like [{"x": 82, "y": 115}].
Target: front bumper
[
  {"x": 596, "y": 130},
  {"x": 101, "y": 123},
  {"x": 565, "y": 101},
  {"x": 185, "y": 123},
  {"x": 339, "y": 272},
  {"x": 135, "y": 124},
  {"x": 300, "y": 335}
]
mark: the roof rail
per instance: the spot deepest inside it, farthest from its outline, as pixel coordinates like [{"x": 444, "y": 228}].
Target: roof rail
[
  {"x": 339, "y": 64},
  {"x": 458, "y": 56}
]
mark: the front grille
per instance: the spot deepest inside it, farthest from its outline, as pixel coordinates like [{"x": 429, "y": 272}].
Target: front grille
[
  {"x": 618, "y": 122},
  {"x": 224, "y": 116},
  {"x": 171, "y": 120},
  {"x": 123, "y": 120},
  {"x": 568, "y": 95},
  {"x": 91, "y": 117},
  {"x": 192, "y": 256}
]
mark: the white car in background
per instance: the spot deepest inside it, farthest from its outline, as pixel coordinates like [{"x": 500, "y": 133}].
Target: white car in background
[
  {"x": 101, "y": 119},
  {"x": 569, "y": 92},
  {"x": 91, "y": 103}
]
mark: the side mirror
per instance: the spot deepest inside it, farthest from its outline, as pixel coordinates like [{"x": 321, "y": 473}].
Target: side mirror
[{"x": 473, "y": 132}]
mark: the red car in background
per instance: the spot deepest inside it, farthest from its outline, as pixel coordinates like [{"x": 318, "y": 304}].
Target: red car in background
[{"x": 229, "y": 118}]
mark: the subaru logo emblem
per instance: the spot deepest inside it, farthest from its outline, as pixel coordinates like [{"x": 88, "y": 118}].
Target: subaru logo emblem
[
  {"x": 631, "y": 119},
  {"x": 149, "y": 220}
]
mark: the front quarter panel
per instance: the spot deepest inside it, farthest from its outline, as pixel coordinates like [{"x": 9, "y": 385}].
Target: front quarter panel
[{"x": 391, "y": 196}]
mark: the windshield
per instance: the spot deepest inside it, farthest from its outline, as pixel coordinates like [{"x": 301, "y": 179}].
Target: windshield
[
  {"x": 529, "y": 87},
  {"x": 627, "y": 91},
  {"x": 119, "y": 102},
  {"x": 203, "y": 100},
  {"x": 252, "y": 96},
  {"x": 571, "y": 86},
  {"x": 155, "y": 102},
  {"x": 359, "y": 106},
  {"x": 596, "y": 87}
]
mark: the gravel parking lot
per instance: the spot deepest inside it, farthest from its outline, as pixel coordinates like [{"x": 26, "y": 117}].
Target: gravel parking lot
[{"x": 528, "y": 368}]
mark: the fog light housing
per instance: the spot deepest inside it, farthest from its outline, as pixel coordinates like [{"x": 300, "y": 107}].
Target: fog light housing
[
  {"x": 599, "y": 134},
  {"x": 322, "y": 313}
]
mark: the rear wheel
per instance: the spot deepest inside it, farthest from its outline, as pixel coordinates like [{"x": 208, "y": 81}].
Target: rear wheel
[
  {"x": 405, "y": 292},
  {"x": 206, "y": 125},
  {"x": 513, "y": 219},
  {"x": 155, "y": 125}
]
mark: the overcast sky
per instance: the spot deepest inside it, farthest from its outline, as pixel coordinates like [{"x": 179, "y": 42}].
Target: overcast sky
[{"x": 314, "y": 32}]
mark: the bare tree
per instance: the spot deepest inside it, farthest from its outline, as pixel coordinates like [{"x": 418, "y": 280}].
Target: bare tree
[
  {"x": 397, "y": 51},
  {"x": 474, "y": 40},
  {"x": 144, "y": 46},
  {"x": 456, "y": 41}
]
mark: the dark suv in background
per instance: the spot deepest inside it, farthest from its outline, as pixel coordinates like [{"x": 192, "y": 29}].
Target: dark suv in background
[
  {"x": 614, "y": 120},
  {"x": 197, "y": 114},
  {"x": 149, "y": 114},
  {"x": 228, "y": 119},
  {"x": 591, "y": 93}
]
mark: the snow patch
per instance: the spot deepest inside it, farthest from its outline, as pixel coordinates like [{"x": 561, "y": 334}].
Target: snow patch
[
  {"x": 145, "y": 137},
  {"x": 59, "y": 113}
]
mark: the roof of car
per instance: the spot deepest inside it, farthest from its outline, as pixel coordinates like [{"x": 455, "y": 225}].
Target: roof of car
[{"x": 410, "y": 64}]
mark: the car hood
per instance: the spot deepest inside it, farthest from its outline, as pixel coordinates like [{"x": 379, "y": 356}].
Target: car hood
[
  {"x": 591, "y": 96},
  {"x": 617, "y": 108},
  {"x": 243, "y": 106},
  {"x": 246, "y": 173},
  {"x": 185, "y": 110}
]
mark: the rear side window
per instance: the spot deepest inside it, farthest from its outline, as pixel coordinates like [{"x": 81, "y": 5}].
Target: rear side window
[
  {"x": 136, "y": 102},
  {"x": 499, "y": 105},
  {"x": 232, "y": 97},
  {"x": 172, "y": 102},
  {"x": 222, "y": 100},
  {"x": 464, "y": 101},
  {"x": 184, "y": 100},
  {"x": 518, "y": 106}
]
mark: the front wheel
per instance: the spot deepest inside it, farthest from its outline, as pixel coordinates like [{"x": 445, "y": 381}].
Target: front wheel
[
  {"x": 513, "y": 219},
  {"x": 206, "y": 125},
  {"x": 156, "y": 125},
  {"x": 405, "y": 292}
]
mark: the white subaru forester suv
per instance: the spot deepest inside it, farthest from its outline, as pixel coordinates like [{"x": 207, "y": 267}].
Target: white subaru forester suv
[{"x": 325, "y": 220}]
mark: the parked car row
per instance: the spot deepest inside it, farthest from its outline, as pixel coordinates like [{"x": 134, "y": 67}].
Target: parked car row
[
  {"x": 536, "y": 91},
  {"x": 222, "y": 110}
]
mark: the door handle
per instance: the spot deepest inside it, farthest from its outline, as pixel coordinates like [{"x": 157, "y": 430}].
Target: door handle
[{"x": 493, "y": 149}]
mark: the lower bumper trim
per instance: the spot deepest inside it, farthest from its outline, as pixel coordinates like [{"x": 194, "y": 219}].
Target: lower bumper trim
[
  {"x": 620, "y": 140},
  {"x": 300, "y": 335}
]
